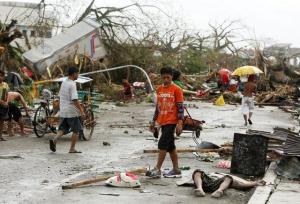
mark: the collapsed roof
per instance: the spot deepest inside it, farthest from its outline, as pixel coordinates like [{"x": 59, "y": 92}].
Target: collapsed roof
[{"x": 82, "y": 38}]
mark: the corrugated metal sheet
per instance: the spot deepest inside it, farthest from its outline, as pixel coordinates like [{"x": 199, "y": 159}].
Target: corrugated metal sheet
[
  {"x": 74, "y": 39},
  {"x": 56, "y": 43}
]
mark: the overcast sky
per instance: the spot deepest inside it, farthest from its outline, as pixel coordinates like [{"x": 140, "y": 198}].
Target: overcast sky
[{"x": 274, "y": 19}]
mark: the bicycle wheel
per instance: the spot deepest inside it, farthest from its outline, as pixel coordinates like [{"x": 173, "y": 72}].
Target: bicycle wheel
[
  {"x": 40, "y": 125},
  {"x": 88, "y": 125}
]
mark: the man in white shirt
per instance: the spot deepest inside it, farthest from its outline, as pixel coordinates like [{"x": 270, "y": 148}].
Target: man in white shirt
[{"x": 70, "y": 111}]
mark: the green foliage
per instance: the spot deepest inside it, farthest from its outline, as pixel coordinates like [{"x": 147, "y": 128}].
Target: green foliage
[{"x": 193, "y": 61}]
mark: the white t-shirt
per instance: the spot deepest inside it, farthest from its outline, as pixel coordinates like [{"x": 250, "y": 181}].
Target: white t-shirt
[{"x": 68, "y": 93}]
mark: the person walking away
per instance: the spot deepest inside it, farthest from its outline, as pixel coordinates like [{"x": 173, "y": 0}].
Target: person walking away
[
  {"x": 248, "y": 99},
  {"x": 169, "y": 115},
  {"x": 3, "y": 102},
  {"x": 70, "y": 111},
  {"x": 13, "y": 98}
]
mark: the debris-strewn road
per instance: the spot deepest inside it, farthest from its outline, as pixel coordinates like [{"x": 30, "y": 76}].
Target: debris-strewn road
[{"x": 35, "y": 174}]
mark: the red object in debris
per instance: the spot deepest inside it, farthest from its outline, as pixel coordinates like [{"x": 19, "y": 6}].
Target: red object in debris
[
  {"x": 27, "y": 72},
  {"x": 232, "y": 88},
  {"x": 224, "y": 75},
  {"x": 132, "y": 176},
  {"x": 201, "y": 93},
  {"x": 224, "y": 164}
]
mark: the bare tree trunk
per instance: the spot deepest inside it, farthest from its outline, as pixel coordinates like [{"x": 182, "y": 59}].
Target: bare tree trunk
[
  {"x": 87, "y": 11},
  {"x": 27, "y": 41}
]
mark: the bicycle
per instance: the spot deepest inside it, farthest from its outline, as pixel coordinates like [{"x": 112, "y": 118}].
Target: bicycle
[{"x": 45, "y": 120}]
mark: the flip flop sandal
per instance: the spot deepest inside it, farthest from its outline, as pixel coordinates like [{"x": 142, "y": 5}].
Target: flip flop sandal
[
  {"x": 75, "y": 152},
  {"x": 52, "y": 145},
  {"x": 2, "y": 139}
]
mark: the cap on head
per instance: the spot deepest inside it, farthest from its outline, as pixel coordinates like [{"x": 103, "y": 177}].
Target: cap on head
[
  {"x": 166, "y": 70},
  {"x": 72, "y": 70}
]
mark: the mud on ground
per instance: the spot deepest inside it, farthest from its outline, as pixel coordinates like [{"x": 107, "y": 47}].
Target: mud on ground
[{"x": 38, "y": 175}]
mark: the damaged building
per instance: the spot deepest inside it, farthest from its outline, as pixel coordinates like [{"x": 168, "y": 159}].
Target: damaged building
[{"x": 32, "y": 21}]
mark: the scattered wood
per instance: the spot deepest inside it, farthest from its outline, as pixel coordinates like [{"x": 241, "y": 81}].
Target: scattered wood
[
  {"x": 10, "y": 157},
  {"x": 282, "y": 93},
  {"x": 190, "y": 150},
  {"x": 110, "y": 194},
  {"x": 99, "y": 179},
  {"x": 267, "y": 104}
]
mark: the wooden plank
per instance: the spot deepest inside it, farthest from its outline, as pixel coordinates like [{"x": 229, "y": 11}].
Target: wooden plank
[
  {"x": 188, "y": 150},
  {"x": 99, "y": 179}
]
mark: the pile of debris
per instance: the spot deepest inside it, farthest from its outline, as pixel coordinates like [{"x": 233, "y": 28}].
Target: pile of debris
[
  {"x": 281, "y": 141},
  {"x": 282, "y": 95},
  {"x": 284, "y": 147}
]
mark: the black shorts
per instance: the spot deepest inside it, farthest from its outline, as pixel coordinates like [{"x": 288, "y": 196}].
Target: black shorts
[
  {"x": 70, "y": 125},
  {"x": 14, "y": 112},
  {"x": 167, "y": 140},
  {"x": 210, "y": 184},
  {"x": 4, "y": 113}
]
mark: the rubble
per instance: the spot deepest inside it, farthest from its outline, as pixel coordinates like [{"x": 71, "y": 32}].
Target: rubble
[
  {"x": 283, "y": 95},
  {"x": 289, "y": 167}
]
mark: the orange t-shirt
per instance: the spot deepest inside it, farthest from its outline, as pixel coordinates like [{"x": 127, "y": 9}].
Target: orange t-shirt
[{"x": 167, "y": 99}]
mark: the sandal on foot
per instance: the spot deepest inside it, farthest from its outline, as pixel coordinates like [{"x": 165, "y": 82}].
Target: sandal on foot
[
  {"x": 2, "y": 139},
  {"x": 250, "y": 121},
  {"x": 52, "y": 145},
  {"x": 75, "y": 152},
  {"x": 154, "y": 173}
]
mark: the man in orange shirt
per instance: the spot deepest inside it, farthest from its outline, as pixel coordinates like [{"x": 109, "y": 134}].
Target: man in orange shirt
[{"x": 169, "y": 115}]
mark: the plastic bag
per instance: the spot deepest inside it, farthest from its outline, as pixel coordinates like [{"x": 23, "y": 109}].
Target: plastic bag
[
  {"x": 220, "y": 101},
  {"x": 124, "y": 180}
]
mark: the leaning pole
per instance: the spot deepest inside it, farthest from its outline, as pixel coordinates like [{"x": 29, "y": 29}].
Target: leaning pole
[{"x": 122, "y": 67}]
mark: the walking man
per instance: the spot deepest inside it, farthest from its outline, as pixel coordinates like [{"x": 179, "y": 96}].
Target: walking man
[
  {"x": 169, "y": 115},
  {"x": 248, "y": 100},
  {"x": 70, "y": 111}
]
